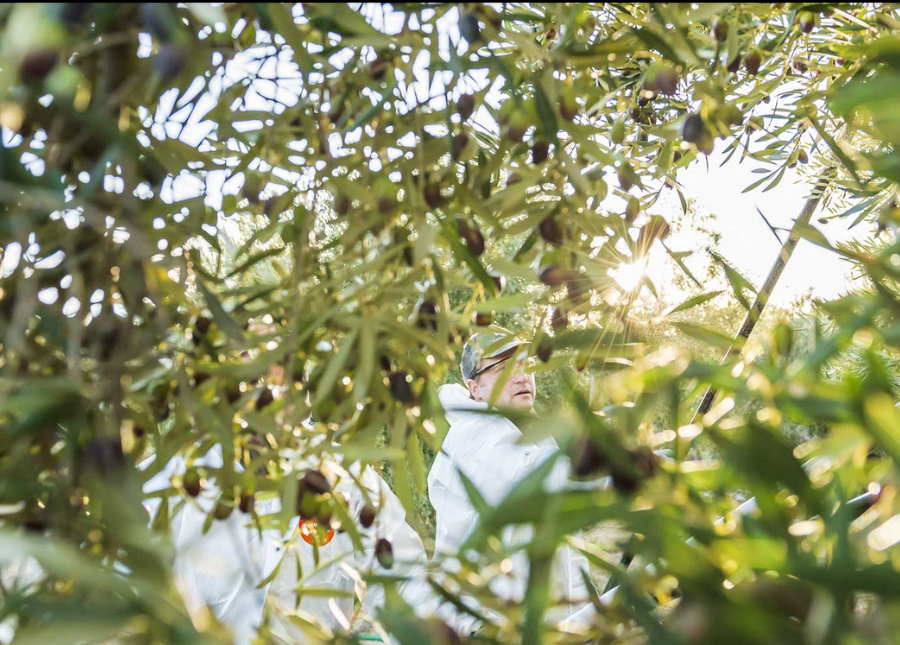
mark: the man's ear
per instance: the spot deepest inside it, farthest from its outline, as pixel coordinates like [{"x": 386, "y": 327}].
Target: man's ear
[{"x": 472, "y": 384}]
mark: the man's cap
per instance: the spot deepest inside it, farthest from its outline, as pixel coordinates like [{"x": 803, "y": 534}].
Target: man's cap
[{"x": 491, "y": 343}]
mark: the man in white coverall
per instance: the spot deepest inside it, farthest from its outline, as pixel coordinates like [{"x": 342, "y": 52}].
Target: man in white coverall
[
  {"x": 229, "y": 567},
  {"x": 489, "y": 449}
]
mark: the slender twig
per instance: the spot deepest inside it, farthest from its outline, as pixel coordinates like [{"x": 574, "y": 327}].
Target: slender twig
[{"x": 771, "y": 228}]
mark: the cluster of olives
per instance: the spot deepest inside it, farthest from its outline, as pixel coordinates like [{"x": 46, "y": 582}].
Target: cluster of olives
[{"x": 628, "y": 471}]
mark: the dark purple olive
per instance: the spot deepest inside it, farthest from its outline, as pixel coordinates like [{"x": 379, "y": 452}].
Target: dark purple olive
[
  {"x": 559, "y": 320},
  {"x": 248, "y": 499},
  {"x": 169, "y": 61},
  {"x": 264, "y": 398},
  {"x": 73, "y": 13},
  {"x": 469, "y": 28},
  {"x": 465, "y": 106},
  {"x": 624, "y": 482},
  {"x": 104, "y": 455},
  {"x": 37, "y": 65},
  {"x": 367, "y": 516},
  {"x": 459, "y": 143},
  {"x": 192, "y": 482},
  {"x": 233, "y": 394},
  {"x": 377, "y": 69},
  {"x": 550, "y": 230},
  {"x": 154, "y": 19},
  {"x": 646, "y": 463},
  {"x": 515, "y": 133},
  {"x": 201, "y": 327},
  {"x": 384, "y": 553},
  {"x": 484, "y": 319},
  {"x": 400, "y": 387},
  {"x": 720, "y": 29},
  {"x": 386, "y": 205},
  {"x": 588, "y": 459},
  {"x": 578, "y": 289},
  {"x": 568, "y": 108},
  {"x": 539, "y": 152},
  {"x": 752, "y": 62},
  {"x": 432, "y": 195},
  {"x": 341, "y": 205},
  {"x": 694, "y": 128},
  {"x": 314, "y": 482},
  {"x": 667, "y": 81},
  {"x": 554, "y": 275},
  {"x": 544, "y": 350},
  {"x": 470, "y": 236},
  {"x": 426, "y": 316},
  {"x": 807, "y": 21}
]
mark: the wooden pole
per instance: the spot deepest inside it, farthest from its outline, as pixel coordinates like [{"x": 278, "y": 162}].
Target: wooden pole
[{"x": 787, "y": 250}]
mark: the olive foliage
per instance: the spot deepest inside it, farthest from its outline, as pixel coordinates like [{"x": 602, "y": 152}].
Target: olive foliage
[{"x": 242, "y": 224}]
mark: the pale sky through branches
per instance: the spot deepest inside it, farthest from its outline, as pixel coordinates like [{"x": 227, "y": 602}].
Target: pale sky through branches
[
  {"x": 749, "y": 244},
  {"x": 745, "y": 239}
]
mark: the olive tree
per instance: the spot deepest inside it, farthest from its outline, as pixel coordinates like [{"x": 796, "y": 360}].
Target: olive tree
[{"x": 222, "y": 223}]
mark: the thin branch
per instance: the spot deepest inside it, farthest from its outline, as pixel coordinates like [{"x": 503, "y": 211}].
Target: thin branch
[{"x": 771, "y": 228}]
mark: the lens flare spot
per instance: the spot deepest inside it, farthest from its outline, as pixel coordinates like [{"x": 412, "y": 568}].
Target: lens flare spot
[{"x": 629, "y": 276}]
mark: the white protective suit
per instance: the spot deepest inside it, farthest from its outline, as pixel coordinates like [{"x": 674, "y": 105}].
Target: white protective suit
[
  {"x": 488, "y": 448},
  {"x": 224, "y": 568}
]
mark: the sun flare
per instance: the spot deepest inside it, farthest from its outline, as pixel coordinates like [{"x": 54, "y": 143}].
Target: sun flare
[{"x": 629, "y": 276}]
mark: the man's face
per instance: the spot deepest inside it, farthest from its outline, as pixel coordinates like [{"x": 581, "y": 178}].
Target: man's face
[{"x": 517, "y": 392}]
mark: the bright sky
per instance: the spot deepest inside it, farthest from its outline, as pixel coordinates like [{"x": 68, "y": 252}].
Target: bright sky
[{"x": 746, "y": 240}]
